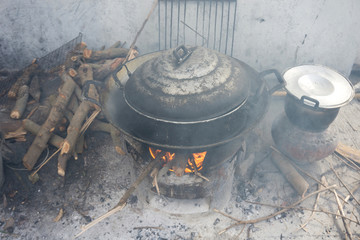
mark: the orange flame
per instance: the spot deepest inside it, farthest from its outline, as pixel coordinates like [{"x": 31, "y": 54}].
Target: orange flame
[{"x": 198, "y": 159}]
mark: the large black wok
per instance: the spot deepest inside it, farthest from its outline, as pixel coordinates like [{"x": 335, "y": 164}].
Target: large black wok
[{"x": 149, "y": 114}]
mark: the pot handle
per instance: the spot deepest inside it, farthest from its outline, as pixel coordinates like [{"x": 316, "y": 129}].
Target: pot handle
[
  {"x": 85, "y": 91},
  {"x": 181, "y": 53},
  {"x": 278, "y": 76},
  {"x": 309, "y": 99}
]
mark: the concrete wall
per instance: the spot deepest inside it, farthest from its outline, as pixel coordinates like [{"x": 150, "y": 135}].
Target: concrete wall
[{"x": 269, "y": 34}]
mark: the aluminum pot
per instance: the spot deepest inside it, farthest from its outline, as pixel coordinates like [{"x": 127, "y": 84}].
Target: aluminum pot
[{"x": 314, "y": 96}]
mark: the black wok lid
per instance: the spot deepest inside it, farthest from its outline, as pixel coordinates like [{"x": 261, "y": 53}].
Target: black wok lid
[{"x": 187, "y": 85}]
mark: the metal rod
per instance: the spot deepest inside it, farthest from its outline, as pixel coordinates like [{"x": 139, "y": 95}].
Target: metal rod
[
  {"x": 221, "y": 24},
  {"x": 184, "y": 19},
  {"x": 196, "y": 33},
  {"x": 178, "y": 24},
  {"x": 203, "y": 25},
  {"x": 232, "y": 41},
  {"x": 166, "y": 8},
  {"x": 208, "y": 36},
  {"x": 215, "y": 23},
  {"x": 227, "y": 27},
  {"x": 159, "y": 26},
  {"x": 171, "y": 22},
  {"x": 197, "y": 20}
]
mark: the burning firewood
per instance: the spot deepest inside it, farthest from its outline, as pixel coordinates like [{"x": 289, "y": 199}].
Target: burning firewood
[
  {"x": 179, "y": 163},
  {"x": 21, "y": 101},
  {"x": 56, "y": 113},
  {"x": 24, "y": 79}
]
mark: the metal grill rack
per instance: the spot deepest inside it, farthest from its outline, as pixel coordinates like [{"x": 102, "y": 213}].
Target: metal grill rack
[{"x": 208, "y": 23}]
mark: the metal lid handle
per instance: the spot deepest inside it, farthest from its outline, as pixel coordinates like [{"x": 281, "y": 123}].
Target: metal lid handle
[
  {"x": 181, "y": 53},
  {"x": 309, "y": 99}
]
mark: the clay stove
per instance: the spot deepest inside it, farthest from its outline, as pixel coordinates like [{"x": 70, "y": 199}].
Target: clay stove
[
  {"x": 314, "y": 96},
  {"x": 196, "y": 105}
]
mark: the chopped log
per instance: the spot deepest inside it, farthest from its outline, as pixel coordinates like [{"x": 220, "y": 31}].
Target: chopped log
[
  {"x": 105, "y": 54},
  {"x": 102, "y": 71},
  {"x": 73, "y": 131},
  {"x": 116, "y": 45},
  {"x": 290, "y": 173},
  {"x": 348, "y": 152},
  {"x": 21, "y": 101},
  {"x": 34, "y": 89},
  {"x": 56, "y": 113},
  {"x": 23, "y": 79},
  {"x": 73, "y": 104},
  {"x": 279, "y": 93},
  {"x": 42, "y": 112},
  {"x": 179, "y": 163},
  {"x": 79, "y": 148},
  {"x": 7, "y": 124},
  {"x": 100, "y": 126},
  {"x": 62, "y": 162},
  {"x": 34, "y": 128},
  {"x": 118, "y": 140}
]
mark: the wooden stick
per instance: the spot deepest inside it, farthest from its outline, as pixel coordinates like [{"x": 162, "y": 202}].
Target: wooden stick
[
  {"x": 56, "y": 113},
  {"x": 21, "y": 101},
  {"x": 121, "y": 204},
  {"x": 348, "y": 152},
  {"x": 346, "y": 225},
  {"x": 302, "y": 226},
  {"x": 346, "y": 187},
  {"x": 304, "y": 208},
  {"x": 47, "y": 160},
  {"x": 154, "y": 173},
  {"x": 132, "y": 46},
  {"x": 274, "y": 214},
  {"x": 290, "y": 173},
  {"x": 192, "y": 160},
  {"x": 118, "y": 140}
]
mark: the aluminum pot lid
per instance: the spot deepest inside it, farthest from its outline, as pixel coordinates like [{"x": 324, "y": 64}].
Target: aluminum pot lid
[
  {"x": 320, "y": 85},
  {"x": 188, "y": 84}
]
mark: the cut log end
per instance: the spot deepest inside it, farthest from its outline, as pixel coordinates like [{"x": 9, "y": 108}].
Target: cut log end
[
  {"x": 15, "y": 114},
  {"x": 61, "y": 172},
  {"x": 65, "y": 148},
  {"x": 72, "y": 72},
  {"x": 87, "y": 53}
]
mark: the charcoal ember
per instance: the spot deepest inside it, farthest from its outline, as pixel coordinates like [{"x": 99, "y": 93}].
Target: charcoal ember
[{"x": 249, "y": 210}]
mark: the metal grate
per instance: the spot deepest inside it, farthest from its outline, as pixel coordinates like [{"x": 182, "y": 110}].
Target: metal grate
[
  {"x": 208, "y": 23},
  {"x": 58, "y": 56}
]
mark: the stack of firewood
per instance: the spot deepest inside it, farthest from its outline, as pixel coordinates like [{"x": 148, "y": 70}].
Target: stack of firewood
[{"x": 67, "y": 110}]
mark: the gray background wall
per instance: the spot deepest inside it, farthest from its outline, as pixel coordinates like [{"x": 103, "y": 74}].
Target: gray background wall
[{"x": 269, "y": 34}]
